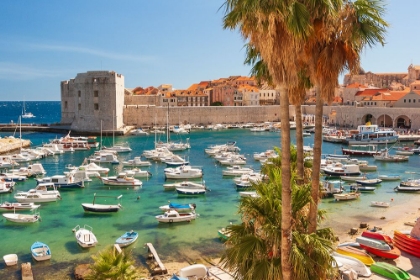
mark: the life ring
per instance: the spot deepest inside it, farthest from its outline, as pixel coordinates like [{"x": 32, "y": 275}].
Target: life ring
[{"x": 171, "y": 221}]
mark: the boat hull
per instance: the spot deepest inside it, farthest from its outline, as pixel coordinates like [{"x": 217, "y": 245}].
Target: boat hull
[
  {"x": 100, "y": 208},
  {"x": 10, "y": 259},
  {"x": 356, "y": 253},
  {"x": 40, "y": 251},
  {"x": 392, "y": 254},
  {"x": 21, "y": 218},
  {"x": 390, "y": 271},
  {"x": 127, "y": 239}
]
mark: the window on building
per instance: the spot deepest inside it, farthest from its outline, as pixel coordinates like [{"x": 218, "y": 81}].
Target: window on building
[
  {"x": 65, "y": 104},
  {"x": 79, "y": 106},
  {"x": 409, "y": 100},
  {"x": 79, "y": 93},
  {"x": 95, "y": 93},
  {"x": 414, "y": 101},
  {"x": 404, "y": 100},
  {"x": 96, "y": 106}
]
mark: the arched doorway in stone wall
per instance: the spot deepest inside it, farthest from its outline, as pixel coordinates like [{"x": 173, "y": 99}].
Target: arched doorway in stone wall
[
  {"x": 368, "y": 118},
  {"x": 384, "y": 121},
  {"x": 403, "y": 121}
]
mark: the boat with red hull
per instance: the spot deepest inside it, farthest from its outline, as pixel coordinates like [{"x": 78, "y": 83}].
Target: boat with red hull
[
  {"x": 392, "y": 254},
  {"x": 378, "y": 236},
  {"x": 407, "y": 243}
]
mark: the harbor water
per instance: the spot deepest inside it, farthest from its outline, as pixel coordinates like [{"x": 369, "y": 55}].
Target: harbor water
[{"x": 174, "y": 242}]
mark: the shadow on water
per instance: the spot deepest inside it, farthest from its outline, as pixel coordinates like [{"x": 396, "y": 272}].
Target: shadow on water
[{"x": 73, "y": 248}]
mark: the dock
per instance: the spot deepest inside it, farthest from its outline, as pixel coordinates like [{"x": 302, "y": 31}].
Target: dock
[
  {"x": 219, "y": 273},
  {"x": 27, "y": 271},
  {"x": 8, "y": 145},
  {"x": 159, "y": 268}
]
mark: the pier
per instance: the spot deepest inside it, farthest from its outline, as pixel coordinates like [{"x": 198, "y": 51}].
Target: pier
[{"x": 160, "y": 268}]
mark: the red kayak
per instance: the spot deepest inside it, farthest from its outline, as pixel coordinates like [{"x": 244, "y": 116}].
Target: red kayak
[
  {"x": 389, "y": 254},
  {"x": 377, "y": 236},
  {"x": 407, "y": 243}
]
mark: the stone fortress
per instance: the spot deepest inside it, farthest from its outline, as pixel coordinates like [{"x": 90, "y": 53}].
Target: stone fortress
[{"x": 98, "y": 100}]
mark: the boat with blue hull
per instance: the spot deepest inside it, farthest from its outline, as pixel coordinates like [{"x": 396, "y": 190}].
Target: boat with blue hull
[
  {"x": 127, "y": 238},
  {"x": 40, "y": 251}
]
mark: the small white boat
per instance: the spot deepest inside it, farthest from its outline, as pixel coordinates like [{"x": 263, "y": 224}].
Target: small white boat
[
  {"x": 118, "y": 149},
  {"x": 373, "y": 243},
  {"x": 380, "y": 204},
  {"x": 346, "y": 196},
  {"x": 389, "y": 177},
  {"x": 191, "y": 188},
  {"x": 22, "y": 218},
  {"x": 353, "y": 263},
  {"x": 136, "y": 162},
  {"x": 6, "y": 187},
  {"x": 121, "y": 180},
  {"x": 137, "y": 173},
  {"x": 180, "y": 208},
  {"x": 103, "y": 156},
  {"x": 173, "y": 216},
  {"x": 369, "y": 182},
  {"x": 127, "y": 239},
  {"x": 39, "y": 194},
  {"x": 84, "y": 236},
  {"x": 139, "y": 131},
  {"x": 236, "y": 170},
  {"x": 249, "y": 194},
  {"x": 195, "y": 271},
  {"x": 16, "y": 206},
  {"x": 40, "y": 251},
  {"x": 101, "y": 208},
  {"x": 183, "y": 172},
  {"x": 353, "y": 178},
  {"x": 366, "y": 167},
  {"x": 10, "y": 259},
  {"x": 91, "y": 168}
]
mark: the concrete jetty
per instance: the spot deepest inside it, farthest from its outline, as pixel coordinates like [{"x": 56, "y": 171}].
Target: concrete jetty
[{"x": 8, "y": 145}]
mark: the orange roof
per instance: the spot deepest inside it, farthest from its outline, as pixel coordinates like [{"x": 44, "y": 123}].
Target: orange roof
[
  {"x": 371, "y": 91},
  {"x": 389, "y": 96},
  {"x": 355, "y": 85}
]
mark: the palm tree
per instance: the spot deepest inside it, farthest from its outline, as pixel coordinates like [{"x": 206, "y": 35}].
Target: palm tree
[
  {"x": 253, "y": 250},
  {"x": 336, "y": 44},
  {"x": 267, "y": 25},
  {"x": 109, "y": 264}
]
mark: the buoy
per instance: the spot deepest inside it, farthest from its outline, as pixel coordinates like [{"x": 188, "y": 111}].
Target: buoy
[
  {"x": 392, "y": 199},
  {"x": 138, "y": 198}
]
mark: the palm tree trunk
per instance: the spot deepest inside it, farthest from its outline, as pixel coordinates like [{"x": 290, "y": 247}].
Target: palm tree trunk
[
  {"x": 286, "y": 193},
  {"x": 316, "y": 167},
  {"x": 299, "y": 143}
]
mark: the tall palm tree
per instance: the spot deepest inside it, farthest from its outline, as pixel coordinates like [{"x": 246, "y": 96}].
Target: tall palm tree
[
  {"x": 253, "y": 250},
  {"x": 275, "y": 29},
  {"x": 334, "y": 45}
]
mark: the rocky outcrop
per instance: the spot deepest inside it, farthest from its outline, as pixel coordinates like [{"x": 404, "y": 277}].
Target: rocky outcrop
[{"x": 81, "y": 271}]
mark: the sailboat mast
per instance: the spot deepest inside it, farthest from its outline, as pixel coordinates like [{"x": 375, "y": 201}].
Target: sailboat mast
[{"x": 167, "y": 125}]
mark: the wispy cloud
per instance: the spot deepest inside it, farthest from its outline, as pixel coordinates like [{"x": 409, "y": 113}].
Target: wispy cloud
[
  {"x": 13, "y": 71},
  {"x": 89, "y": 51}
]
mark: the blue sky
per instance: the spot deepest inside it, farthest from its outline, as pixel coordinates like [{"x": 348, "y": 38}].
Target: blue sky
[{"x": 149, "y": 42}]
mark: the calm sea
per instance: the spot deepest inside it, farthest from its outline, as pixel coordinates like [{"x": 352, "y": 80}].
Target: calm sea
[{"x": 175, "y": 242}]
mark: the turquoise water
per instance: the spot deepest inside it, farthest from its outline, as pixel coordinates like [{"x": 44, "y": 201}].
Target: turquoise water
[{"x": 140, "y": 206}]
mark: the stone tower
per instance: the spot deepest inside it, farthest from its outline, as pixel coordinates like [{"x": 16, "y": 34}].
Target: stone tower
[{"x": 92, "y": 98}]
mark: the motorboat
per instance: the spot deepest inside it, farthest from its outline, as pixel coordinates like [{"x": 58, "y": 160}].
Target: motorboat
[
  {"x": 265, "y": 155},
  {"x": 84, "y": 236},
  {"x": 136, "y": 162},
  {"x": 236, "y": 170},
  {"x": 190, "y": 188},
  {"x": 339, "y": 169},
  {"x": 353, "y": 263},
  {"x": 91, "y": 168},
  {"x": 6, "y": 187},
  {"x": 17, "y": 206},
  {"x": 249, "y": 194},
  {"x": 40, "y": 251},
  {"x": 101, "y": 208},
  {"x": 367, "y": 167},
  {"x": 30, "y": 171},
  {"x": 361, "y": 188},
  {"x": 122, "y": 179},
  {"x": 244, "y": 184},
  {"x": 22, "y": 218},
  {"x": 406, "y": 189},
  {"x": 181, "y": 208},
  {"x": 235, "y": 160},
  {"x": 389, "y": 271},
  {"x": 346, "y": 196},
  {"x": 353, "y": 178},
  {"x": 127, "y": 238},
  {"x": 137, "y": 173},
  {"x": 195, "y": 271},
  {"x": 10, "y": 259},
  {"x": 331, "y": 187},
  {"x": 118, "y": 149},
  {"x": 373, "y": 243},
  {"x": 40, "y": 194},
  {"x": 405, "y": 151},
  {"x": 175, "y": 160},
  {"x": 369, "y": 182},
  {"x": 380, "y": 204},
  {"x": 11, "y": 177},
  {"x": 389, "y": 177},
  {"x": 183, "y": 172},
  {"x": 173, "y": 216},
  {"x": 66, "y": 181},
  {"x": 139, "y": 132},
  {"x": 385, "y": 156},
  {"x": 108, "y": 156}
]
